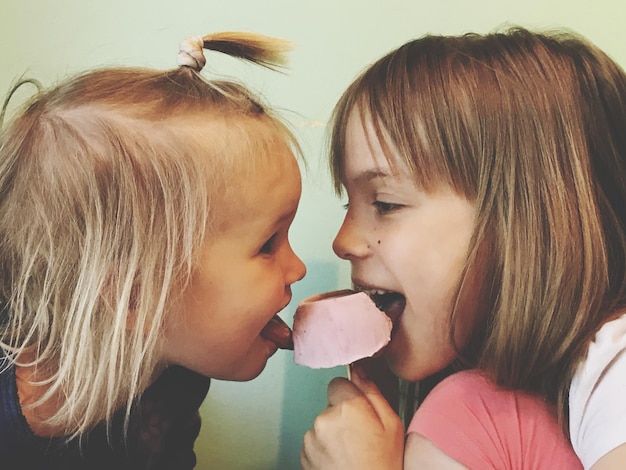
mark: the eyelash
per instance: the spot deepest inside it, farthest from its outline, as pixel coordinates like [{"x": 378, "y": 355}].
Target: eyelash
[
  {"x": 381, "y": 207},
  {"x": 268, "y": 246},
  {"x": 385, "y": 207}
]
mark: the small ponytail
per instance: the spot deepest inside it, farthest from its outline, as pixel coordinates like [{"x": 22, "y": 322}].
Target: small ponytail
[{"x": 262, "y": 50}]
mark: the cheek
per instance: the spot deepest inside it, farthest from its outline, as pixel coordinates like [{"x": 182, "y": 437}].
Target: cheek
[
  {"x": 438, "y": 267},
  {"x": 421, "y": 267},
  {"x": 430, "y": 282},
  {"x": 253, "y": 305}
]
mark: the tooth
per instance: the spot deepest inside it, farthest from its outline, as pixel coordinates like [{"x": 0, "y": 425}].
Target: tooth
[{"x": 371, "y": 292}]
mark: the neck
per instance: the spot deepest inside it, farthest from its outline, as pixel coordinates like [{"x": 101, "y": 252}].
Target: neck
[{"x": 30, "y": 391}]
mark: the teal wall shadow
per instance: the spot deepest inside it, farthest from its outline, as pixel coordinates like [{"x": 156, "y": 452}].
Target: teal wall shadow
[{"x": 305, "y": 389}]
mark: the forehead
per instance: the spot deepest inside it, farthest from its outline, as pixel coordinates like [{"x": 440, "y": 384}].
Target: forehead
[
  {"x": 364, "y": 156},
  {"x": 264, "y": 189},
  {"x": 263, "y": 154},
  {"x": 236, "y": 148}
]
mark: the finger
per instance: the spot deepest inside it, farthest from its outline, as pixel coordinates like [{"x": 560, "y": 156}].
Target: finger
[
  {"x": 310, "y": 449},
  {"x": 348, "y": 400},
  {"x": 340, "y": 390},
  {"x": 305, "y": 461},
  {"x": 315, "y": 443}
]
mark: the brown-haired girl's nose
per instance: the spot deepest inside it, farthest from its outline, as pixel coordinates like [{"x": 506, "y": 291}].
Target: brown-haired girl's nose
[{"x": 348, "y": 244}]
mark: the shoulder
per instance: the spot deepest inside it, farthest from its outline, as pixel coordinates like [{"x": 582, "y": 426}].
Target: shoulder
[
  {"x": 469, "y": 399},
  {"x": 468, "y": 394},
  {"x": 15, "y": 434},
  {"x": 420, "y": 453},
  {"x": 607, "y": 344},
  {"x": 481, "y": 425},
  {"x": 596, "y": 401}
]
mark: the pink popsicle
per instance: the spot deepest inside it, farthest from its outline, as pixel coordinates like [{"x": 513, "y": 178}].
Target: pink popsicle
[{"x": 338, "y": 328}]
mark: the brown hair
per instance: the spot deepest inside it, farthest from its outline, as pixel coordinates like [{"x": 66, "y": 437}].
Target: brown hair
[
  {"x": 532, "y": 128},
  {"x": 104, "y": 203}
]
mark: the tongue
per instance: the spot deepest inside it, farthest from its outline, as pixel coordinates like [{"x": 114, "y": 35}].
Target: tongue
[
  {"x": 394, "y": 309},
  {"x": 278, "y": 332}
]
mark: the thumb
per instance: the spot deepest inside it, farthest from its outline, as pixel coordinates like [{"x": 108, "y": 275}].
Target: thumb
[{"x": 341, "y": 389}]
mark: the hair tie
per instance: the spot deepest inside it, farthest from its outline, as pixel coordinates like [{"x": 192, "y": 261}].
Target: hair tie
[{"x": 191, "y": 53}]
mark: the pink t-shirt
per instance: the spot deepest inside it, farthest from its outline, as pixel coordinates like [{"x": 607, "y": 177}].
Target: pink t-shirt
[{"x": 485, "y": 427}]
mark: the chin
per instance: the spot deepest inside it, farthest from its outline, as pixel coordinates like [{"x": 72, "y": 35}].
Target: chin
[
  {"x": 252, "y": 369},
  {"x": 249, "y": 364},
  {"x": 234, "y": 372},
  {"x": 252, "y": 374},
  {"x": 241, "y": 376}
]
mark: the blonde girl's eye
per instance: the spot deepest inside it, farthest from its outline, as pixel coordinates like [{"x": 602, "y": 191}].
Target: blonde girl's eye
[{"x": 269, "y": 245}]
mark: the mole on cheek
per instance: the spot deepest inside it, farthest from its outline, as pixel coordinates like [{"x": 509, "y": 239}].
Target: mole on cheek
[{"x": 379, "y": 242}]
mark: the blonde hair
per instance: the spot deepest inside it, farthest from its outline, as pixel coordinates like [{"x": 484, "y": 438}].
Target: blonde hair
[
  {"x": 532, "y": 128},
  {"x": 104, "y": 204}
]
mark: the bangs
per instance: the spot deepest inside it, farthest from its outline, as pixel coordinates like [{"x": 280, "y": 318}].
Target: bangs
[{"x": 420, "y": 118}]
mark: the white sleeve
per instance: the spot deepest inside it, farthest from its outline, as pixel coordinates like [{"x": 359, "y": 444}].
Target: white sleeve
[{"x": 597, "y": 402}]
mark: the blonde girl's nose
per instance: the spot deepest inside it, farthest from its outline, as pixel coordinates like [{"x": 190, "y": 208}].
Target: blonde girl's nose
[{"x": 296, "y": 268}]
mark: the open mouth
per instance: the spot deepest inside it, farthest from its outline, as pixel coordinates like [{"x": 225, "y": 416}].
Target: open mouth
[
  {"x": 392, "y": 303},
  {"x": 278, "y": 332}
]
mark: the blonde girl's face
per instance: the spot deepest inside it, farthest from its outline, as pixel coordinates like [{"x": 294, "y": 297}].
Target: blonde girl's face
[
  {"x": 243, "y": 277},
  {"x": 407, "y": 248}
]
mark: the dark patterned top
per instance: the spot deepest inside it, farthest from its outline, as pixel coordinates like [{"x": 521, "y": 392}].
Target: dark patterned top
[{"x": 164, "y": 424}]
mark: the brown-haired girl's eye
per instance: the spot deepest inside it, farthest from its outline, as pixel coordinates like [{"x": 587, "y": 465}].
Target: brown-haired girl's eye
[{"x": 385, "y": 207}]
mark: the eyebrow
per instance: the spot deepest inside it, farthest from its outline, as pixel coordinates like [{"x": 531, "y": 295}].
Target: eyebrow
[
  {"x": 287, "y": 214},
  {"x": 271, "y": 226},
  {"x": 369, "y": 175}
]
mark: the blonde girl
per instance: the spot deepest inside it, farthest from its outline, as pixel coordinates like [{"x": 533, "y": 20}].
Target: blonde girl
[{"x": 137, "y": 257}]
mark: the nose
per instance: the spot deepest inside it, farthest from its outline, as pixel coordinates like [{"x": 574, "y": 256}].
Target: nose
[
  {"x": 296, "y": 269},
  {"x": 348, "y": 244}
]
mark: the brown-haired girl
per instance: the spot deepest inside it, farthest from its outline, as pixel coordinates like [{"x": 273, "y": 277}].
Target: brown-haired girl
[
  {"x": 144, "y": 248},
  {"x": 486, "y": 180}
]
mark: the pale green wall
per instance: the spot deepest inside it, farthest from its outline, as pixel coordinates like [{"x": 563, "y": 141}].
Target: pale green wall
[{"x": 259, "y": 425}]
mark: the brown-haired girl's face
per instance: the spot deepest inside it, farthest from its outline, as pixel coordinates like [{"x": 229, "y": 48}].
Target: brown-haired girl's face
[
  {"x": 243, "y": 277},
  {"x": 408, "y": 244}
]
